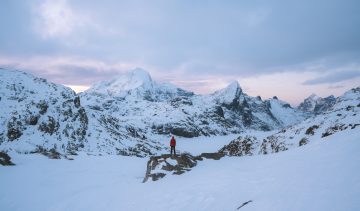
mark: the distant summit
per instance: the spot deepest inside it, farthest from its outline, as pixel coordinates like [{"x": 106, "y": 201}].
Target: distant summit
[
  {"x": 315, "y": 104},
  {"x": 122, "y": 83},
  {"x": 136, "y": 84},
  {"x": 229, "y": 94}
]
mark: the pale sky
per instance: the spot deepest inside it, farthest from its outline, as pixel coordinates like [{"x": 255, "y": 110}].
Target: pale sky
[{"x": 290, "y": 49}]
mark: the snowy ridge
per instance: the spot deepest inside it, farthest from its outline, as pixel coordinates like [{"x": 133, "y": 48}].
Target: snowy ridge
[
  {"x": 343, "y": 118},
  {"x": 316, "y": 105},
  {"x": 157, "y": 108},
  {"x": 228, "y": 94},
  {"x": 33, "y": 112},
  {"x": 37, "y": 116},
  {"x": 128, "y": 115}
]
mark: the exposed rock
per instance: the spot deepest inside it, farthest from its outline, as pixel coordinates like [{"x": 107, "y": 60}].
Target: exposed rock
[
  {"x": 219, "y": 111},
  {"x": 77, "y": 102},
  {"x": 42, "y": 106},
  {"x": 240, "y": 146},
  {"x": 317, "y": 105},
  {"x": 184, "y": 132},
  {"x": 214, "y": 156},
  {"x": 311, "y": 130},
  {"x": 5, "y": 159},
  {"x": 139, "y": 150},
  {"x": 33, "y": 120},
  {"x": 272, "y": 144},
  {"x": 52, "y": 153},
  {"x": 250, "y": 145},
  {"x": 13, "y": 133},
  {"x": 15, "y": 128},
  {"x": 159, "y": 166},
  {"x": 334, "y": 129},
  {"x": 303, "y": 142},
  {"x": 50, "y": 126}
]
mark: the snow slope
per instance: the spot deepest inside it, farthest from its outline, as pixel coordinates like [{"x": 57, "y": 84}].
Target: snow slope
[
  {"x": 36, "y": 115},
  {"x": 319, "y": 176},
  {"x": 342, "y": 117}
]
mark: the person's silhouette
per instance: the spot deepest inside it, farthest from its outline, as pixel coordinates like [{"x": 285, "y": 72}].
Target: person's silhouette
[{"x": 172, "y": 145}]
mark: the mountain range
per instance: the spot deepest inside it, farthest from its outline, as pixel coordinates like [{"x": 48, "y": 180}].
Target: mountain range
[{"x": 130, "y": 113}]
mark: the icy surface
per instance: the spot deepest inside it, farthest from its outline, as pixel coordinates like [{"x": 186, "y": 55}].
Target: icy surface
[{"x": 320, "y": 176}]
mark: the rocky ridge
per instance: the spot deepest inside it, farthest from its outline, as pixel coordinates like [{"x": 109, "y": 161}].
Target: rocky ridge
[{"x": 126, "y": 115}]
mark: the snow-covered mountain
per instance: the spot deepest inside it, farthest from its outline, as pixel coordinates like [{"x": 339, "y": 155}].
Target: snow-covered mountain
[
  {"x": 316, "y": 105},
  {"x": 36, "y": 113},
  {"x": 342, "y": 119},
  {"x": 38, "y": 116},
  {"x": 127, "y": 115},
  {"x": 158, "y": 108},
  {"x": 137, "y": 84}
]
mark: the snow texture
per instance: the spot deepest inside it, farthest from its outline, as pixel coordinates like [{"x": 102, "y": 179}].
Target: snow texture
[
  {"x": 323, "y": 175},
  {"x": 128, "y": 115}
]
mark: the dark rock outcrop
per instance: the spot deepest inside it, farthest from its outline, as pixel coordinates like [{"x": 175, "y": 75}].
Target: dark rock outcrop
[
  {"x": 5, "y": 159},
  {"x": 159, "y": 166},
  {"x": 250, "y": 145},
  {"x": 311, "y": 130},
  {"x": 240, "y": 146},
  {"x": 52, "y": 153}
]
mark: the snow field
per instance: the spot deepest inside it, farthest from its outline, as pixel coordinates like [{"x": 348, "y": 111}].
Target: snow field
[{"x": 323, "y": 175}]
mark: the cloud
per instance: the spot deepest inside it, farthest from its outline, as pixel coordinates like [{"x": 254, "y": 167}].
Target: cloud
[
  {"x": 336, "y": 86},
  {"x": 68, "y": 70},
  {"x": 334, "y": 77},
  {"x": 245, "y": 37},
  {"x": 81, "y": 42},
  {"x": 58, "y": 19}
]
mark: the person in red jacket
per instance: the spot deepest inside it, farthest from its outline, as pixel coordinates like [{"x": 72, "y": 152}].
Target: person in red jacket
[{"x": 172, "y": 145}]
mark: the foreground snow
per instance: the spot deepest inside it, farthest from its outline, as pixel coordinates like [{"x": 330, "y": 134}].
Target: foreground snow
[{"x": 319, "y": 176}]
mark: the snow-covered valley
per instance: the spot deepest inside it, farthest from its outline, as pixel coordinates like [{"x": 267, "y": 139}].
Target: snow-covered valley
[{"x": 319, "y": 176}]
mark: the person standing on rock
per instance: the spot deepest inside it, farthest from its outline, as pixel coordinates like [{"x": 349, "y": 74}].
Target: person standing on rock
[{"x": 172, "y": 145}]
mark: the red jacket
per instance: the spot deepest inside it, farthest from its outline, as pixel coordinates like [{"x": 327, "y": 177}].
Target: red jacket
[{"x": 172, "y": 142}]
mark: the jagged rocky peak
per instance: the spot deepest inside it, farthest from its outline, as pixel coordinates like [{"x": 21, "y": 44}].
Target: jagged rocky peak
[
  {"x": 309, "y": 103},
  {"x": 229, "y": 94},
  {"x": 313, "y": 97},
  {"x": 315, "y": 104}
]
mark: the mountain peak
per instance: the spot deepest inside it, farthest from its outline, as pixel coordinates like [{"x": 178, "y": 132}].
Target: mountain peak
[
  {"x": 233, "y": 85},
  {"x": 229, "y": 93},
  {"x": 313, "y": 96},
  {"x": 139, "y": 74},
  {"x": 120, "y": 85},
  {"x": 317, "y": 104}
]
